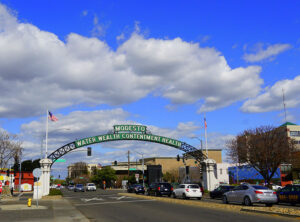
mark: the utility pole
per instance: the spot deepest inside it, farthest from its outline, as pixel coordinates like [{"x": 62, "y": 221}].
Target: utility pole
[
  {"x": 284, "y": 106},
  {"x": 128, "y": 155}
]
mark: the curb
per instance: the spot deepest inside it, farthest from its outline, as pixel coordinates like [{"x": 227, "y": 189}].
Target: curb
[
  {"x": 54, "y": 197},
  {"x": 216, "y": 206},
  {"x": 271, "y": 213}
]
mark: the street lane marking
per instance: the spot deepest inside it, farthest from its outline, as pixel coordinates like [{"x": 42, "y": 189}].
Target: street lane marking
[
  {"x": 120, "y": 198},
  {"x": 115, "y": 202},
  {"x": 87, "y": 200}
]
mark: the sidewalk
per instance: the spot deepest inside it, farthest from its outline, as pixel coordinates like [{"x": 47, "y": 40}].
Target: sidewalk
[{"x": 59, "y": 210}]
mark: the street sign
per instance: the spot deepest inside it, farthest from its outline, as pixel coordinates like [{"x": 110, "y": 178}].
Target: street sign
[
  {"x": 37, "y": 172},
  {"x": 1, "y": 178},
  {"x": 60, "y": 161},
  {"x": 132, "y": 168}
]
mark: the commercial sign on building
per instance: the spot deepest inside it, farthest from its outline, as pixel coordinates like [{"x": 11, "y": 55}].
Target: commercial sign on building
[{"x": 133, "y": 135}]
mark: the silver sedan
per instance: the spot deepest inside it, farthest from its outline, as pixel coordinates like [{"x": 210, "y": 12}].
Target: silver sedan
[{"x": 248, "y": 194}]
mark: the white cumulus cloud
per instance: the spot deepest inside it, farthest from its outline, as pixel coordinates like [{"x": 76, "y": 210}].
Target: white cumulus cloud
[
  {"x": 38, "y": 70},
  {"x": 271, "y": 99},
  {"x": 270, "y": 52}
]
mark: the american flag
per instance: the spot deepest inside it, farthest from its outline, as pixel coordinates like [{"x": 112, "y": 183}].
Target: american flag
[
  {"x": 52, "y": 117},
  {"x": 205, "y": 124}
]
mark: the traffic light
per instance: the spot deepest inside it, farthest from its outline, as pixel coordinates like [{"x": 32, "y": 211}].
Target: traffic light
[
  {"x": 178, "y": 157},
  {"x": 89, "y": 151},
  {"x": 7, "y": 173},
  {"x": 187, "y": 170},
  {"x": 116, "y": 163}
]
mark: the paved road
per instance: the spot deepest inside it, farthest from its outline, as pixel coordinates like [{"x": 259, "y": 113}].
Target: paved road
[{"x": 108, "y": 206}]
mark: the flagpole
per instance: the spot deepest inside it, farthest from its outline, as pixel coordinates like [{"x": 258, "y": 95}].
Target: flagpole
[
  {"x": 205, "y": 126},
  {"x": 46, "y": 154}
]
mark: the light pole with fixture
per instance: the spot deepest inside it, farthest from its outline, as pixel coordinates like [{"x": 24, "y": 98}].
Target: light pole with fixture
[{"x": 142, "y": 166}]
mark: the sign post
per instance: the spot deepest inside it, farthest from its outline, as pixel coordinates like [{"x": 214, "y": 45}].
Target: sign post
[
  {"x": 137, "y": 177},
  {"x": 37, "y": 172}
]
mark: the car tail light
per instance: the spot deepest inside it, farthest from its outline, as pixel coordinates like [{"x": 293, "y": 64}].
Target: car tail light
[
  {"x": 187, "y": 190},
  {"x": 172, "y": 189},
  {"x": 158, "y": 188},
  {"x": 274, "y": 193},
  {"x": 202, "y": 190},
  {"x": 258, "y": 192}
]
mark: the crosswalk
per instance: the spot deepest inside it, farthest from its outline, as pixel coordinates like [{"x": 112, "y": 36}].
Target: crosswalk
[{"x": 87, "y": 199}]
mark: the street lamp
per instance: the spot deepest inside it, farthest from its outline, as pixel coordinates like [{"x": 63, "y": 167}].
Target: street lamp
[{"x": 142, "y": 166}]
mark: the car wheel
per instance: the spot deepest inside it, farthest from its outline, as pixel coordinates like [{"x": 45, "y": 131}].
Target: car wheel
[
  {"x": 199, "y": 198},
  {"x": 269, "y": 204},
  {"x": 173, "y": 195},
  {"x": 184, "y": 196},
  {"x": 247, "y": 201},
  {"x": 224, "y": 200}
]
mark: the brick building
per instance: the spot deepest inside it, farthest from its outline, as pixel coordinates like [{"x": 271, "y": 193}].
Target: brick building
[{"x": 170, "y": 163}]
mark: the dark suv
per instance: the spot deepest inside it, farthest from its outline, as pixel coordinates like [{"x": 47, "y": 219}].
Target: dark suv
[
  {"x": 160, "y": 189},
  {"x": 218, "y": 192}
]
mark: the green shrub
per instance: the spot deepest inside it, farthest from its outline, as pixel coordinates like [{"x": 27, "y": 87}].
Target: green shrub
[{"x": 54, "y": 192}]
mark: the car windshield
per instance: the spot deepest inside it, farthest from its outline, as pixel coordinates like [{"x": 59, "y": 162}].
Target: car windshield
[
  {"x": 91, "y": 184},
  {"x": 195, "y": 186},
  {"x": 79, "y": 185},
  {"x": 260, "y": 188}
]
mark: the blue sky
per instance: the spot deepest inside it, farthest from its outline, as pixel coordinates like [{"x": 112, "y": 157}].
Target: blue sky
[{"x": 158, "y": 63}]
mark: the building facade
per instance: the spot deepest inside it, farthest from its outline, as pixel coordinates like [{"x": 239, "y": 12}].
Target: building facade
[
  {"x": 293, "y": 132},
  {"x": 91, "y": 167},
  {"x": 170, "y": 163}
]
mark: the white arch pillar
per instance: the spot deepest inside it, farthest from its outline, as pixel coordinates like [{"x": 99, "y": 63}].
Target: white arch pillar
[
  {"x": 209, "y": 176},
  {"x": 45, "y": 178}
]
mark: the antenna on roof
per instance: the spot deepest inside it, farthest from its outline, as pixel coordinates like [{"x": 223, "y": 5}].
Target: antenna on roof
[{"x": 284, "y": 107}]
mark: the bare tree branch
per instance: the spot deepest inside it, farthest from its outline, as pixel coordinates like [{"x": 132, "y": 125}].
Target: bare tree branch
[{"x": 10, "y": 148}]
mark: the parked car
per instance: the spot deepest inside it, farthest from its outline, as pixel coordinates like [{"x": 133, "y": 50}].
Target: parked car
[
  {"x": 276, "y": 187},
  {"x": 289, "y": 194},
  {"x": 136, "y": 188},
  {"x": 71, "y": 187},
  {"x": 160, "y": 189},
  {"x": 248, "y": 194},
  {"x": 90, "y": 187},
  {"x": 79, "y": 187},
  {"x": 218, "y": 192},
  {"x": 187, "y": 191}
]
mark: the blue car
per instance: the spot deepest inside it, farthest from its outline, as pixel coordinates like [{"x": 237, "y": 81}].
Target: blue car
[
  {"x": 79, "y": 187},
  {"x": 289, "y": 194}
]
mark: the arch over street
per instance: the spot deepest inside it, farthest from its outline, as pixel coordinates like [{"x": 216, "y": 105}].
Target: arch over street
[{"x": 128, "y": 132}]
